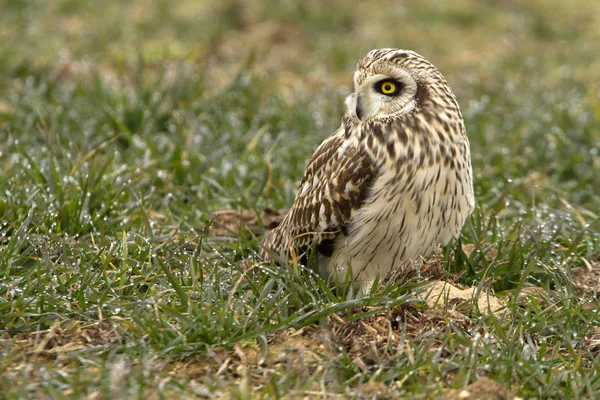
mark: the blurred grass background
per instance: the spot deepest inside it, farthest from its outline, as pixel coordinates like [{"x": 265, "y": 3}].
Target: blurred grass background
[{"x": 124, "y": 125}]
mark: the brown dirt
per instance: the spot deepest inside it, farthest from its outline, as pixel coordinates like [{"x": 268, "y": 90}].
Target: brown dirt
[
  {"x": 591, "y": 341},
  {"x": 229, "y": 222},
  {"x": 586, "y": 279},
  {"x": 446, "y": 295},
  {"x": 483, "y": 389},
  {"x": 67, "y": 337},
  {"x": 375, "y": 340}
]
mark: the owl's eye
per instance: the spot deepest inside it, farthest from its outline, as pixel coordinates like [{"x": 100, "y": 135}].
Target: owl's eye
[{"x": 388, "y": 87}]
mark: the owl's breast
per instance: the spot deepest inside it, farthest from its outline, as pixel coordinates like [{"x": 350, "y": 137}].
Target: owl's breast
[{"x": 408, "y": 211}]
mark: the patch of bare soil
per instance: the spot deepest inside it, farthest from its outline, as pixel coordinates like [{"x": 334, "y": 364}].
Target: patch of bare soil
[
  {"x": 483, "y": 389},
  {"x": 229, "y": 222},
  {"x": 379, "y": 391},
  {"x": 591, "y": 341},
  {"x": 586, "y": 279},
  {"x": 295, "y": 351},
  {"x": 449, "y": 296},
  {"x": 66, "y": 337},
  {"x": 372, "y": 341},
  {"x": 30, "y": 351}
]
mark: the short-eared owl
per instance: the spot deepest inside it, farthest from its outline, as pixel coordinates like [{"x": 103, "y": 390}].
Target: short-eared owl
[{"x": 390, "y": 184}]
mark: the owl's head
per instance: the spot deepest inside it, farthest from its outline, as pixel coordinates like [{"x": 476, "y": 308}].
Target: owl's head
[{"x": 394, "y": 82}]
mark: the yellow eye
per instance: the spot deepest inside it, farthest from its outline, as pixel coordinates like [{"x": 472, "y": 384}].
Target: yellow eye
[{"x": 388, "y": 87}]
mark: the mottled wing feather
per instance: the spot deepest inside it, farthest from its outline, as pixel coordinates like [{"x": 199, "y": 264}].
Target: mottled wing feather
[{"x": 335, "y": 183}]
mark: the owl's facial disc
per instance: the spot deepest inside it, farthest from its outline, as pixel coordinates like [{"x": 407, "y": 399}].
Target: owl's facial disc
[{"x": 384, "y": 93}]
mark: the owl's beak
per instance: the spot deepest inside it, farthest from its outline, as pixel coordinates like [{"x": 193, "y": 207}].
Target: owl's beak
[{"x": 359, "y": 109}]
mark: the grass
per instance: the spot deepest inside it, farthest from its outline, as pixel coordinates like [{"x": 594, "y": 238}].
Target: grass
[{"x": 124, "y": 127}]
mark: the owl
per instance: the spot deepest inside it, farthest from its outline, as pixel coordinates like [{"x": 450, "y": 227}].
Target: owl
[{"x": 387, "y": 187}]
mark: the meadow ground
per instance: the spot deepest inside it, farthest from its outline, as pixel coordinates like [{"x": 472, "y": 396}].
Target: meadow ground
[{"x": 125, "y": 125}]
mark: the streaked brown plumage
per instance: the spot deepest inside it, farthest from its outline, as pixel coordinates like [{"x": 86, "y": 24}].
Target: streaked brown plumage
[{"x": 391, "y": 183}]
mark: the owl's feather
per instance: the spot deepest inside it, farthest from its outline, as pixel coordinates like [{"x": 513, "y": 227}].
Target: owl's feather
[{"x": 335, "y": 183}]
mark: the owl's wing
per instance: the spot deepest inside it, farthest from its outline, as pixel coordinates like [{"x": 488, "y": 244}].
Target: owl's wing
[{"x": 335, "y": 184}]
